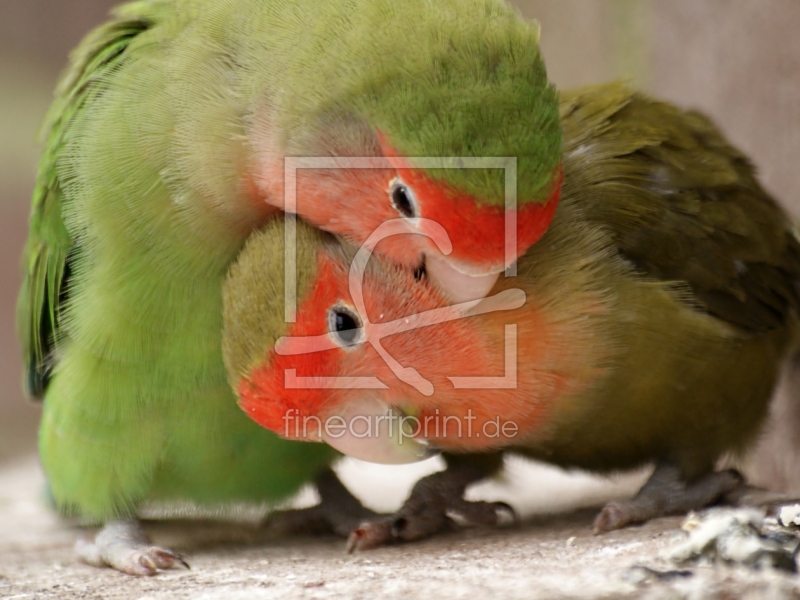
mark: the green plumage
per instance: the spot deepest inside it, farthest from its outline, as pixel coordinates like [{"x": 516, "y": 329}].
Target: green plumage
[
  {"x": 682, "y": 203},
  {"x": 663, "y": 223},
  {"x": 136, "y": 402}
]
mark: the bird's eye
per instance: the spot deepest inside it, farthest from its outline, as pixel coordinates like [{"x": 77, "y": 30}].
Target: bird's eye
[
  {"x": 403, "y": 199},
  {"x": 345, "y": 326}
]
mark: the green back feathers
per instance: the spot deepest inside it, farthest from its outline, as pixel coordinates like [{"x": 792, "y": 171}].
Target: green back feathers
[
  {"x": 49, "y": 242},
  {"x": 681, "y": 204}
]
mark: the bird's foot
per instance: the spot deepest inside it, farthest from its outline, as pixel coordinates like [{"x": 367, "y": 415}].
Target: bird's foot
[
  {"x": 338, "y": 512},
  {"x": 666, "y": 493},
  {"x": 123, "y": 546},
  {"x": 436, "y": 503}
]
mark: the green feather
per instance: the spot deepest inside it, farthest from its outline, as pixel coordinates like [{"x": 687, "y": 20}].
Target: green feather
[
  {"x": 682, "y": 204},
  {"x": 49, "y": 241}
]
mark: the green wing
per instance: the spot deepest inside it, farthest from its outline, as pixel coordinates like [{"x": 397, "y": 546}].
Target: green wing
[
  {"x": 46, "y": 258},
  {"x": 681, "y": 203}
]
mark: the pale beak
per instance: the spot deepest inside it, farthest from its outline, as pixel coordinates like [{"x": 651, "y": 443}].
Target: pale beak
[
  {"x": 459, "y": 285},
  {"x": 369, "y": 430}
]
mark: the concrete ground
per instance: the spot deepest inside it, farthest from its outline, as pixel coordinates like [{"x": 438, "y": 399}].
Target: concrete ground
[{"x": 552, "y": 555}]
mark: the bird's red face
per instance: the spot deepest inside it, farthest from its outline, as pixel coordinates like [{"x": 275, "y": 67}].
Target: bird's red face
[
  {"x": 390, "y": 370},
  {"x": 325, "y": 372},
  {"x": 353, "y": 202}
]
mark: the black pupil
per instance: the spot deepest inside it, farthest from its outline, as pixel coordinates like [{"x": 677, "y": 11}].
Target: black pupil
[
  {"x": 346, "y": 327},
  {"x": 402, "y": 202}
]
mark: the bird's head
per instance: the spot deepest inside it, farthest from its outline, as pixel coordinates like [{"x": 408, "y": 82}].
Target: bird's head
[
  {"x": 378, "y": 363},
  {"x": 457, "y": 124}
]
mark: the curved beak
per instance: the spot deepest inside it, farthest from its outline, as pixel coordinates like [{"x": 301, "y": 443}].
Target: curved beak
[
  {"x": 370, "y": 430},
  {"x": 459, "y": 285}
]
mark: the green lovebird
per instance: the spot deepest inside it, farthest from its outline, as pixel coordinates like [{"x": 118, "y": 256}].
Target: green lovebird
[
  {"x": 647, "y": 325},
  {"x": 166, "y": 147}
]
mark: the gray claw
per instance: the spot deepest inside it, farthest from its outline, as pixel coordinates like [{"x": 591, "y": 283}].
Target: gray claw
[
  {"x": 123, "y": 546},
  {"x": 371, "y": 535}
]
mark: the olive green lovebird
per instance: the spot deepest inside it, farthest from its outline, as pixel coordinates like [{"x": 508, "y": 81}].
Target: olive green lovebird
[
  {"x": 165, "y": 148},
  {"x": 647, "y": 325}
]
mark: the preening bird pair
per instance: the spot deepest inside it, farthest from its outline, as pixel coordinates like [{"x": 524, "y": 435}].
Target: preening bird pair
[{"x": 654, "y": 300}]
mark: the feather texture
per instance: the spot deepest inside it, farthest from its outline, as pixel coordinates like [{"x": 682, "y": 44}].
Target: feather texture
[{"x": 138, "y": 211}]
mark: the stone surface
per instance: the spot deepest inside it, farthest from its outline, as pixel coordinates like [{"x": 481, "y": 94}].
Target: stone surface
[{"x": 548, "y": 556}]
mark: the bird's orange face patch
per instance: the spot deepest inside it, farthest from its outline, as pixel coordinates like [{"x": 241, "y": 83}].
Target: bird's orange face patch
[
  {"x": 478, "y": 232},
  {"x": 267, "y": 394},
  {"x": 468, "y": 347},
  {"x": 354, "y": 202}
]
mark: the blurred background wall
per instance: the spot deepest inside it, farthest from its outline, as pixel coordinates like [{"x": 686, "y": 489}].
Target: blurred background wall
[{"x": 738, "y": 60}]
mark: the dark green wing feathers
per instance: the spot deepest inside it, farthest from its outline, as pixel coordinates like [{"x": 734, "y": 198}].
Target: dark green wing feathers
[
  {"x": 681, "y": 203},
  {"x": 46, "y": 266}
]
